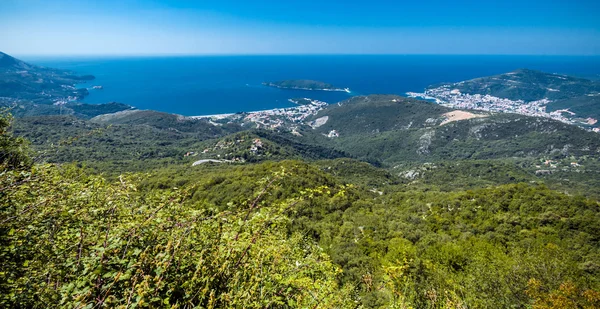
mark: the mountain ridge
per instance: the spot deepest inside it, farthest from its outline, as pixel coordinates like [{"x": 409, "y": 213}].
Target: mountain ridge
[{"x": 7, "y": 61}]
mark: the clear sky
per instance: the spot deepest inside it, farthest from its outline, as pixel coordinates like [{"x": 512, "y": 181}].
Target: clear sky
[{"x": 162, "y": 27}]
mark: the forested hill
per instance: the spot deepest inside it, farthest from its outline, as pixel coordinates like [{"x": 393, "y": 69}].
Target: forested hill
[
  {"x": 530, "y": 85},
  {"x": 379, "y": 113},
  {"x": 393, "y": 130}
]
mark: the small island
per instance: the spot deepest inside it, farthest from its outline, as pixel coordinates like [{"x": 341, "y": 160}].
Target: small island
[{"x": 303, "y": 84}]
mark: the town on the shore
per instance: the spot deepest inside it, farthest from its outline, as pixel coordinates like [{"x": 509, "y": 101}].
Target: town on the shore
[{"x": 447, "y": 95}]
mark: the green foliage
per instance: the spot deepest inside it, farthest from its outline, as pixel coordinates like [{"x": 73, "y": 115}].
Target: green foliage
[
  {"x": 77, "y": 241},
  {"x": 141, "y": 141},
  {"x": 111, "y": 148},
  {"x": 495, "y": 137},
  {"x": 473, "y": 249},
  {"x": 246, "y": 236},
  {"x": 302, "y": 148},
  {"x": 358, "y": 172},
  {"x": 227, "y": 187},
  {"x": 14, "y": 151},
  {"x": 584, "y": 106},
  {"x": 392, "y": 131},
  {"x": 378, "y": 113},
  {"x": 87, "y": 111},
  {"x": 166, "y": 121}
]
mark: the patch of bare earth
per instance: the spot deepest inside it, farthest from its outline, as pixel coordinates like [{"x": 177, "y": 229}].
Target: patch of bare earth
[{"x": 459, "y": 115}]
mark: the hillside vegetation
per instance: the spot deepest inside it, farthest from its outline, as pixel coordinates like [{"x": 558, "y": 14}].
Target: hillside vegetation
[
  {"x": 289, "y": 235},
  {"x": 392, "y": 129}
]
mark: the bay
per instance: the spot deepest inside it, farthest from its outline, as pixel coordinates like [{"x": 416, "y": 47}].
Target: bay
[{"x": 206, "y": 85}]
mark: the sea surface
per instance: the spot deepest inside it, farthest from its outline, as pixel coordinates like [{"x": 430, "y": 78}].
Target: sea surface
[{"x": 207, "y": 85}]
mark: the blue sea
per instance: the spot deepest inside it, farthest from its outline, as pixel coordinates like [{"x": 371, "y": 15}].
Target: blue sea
[{"x": 206, "y": 85}]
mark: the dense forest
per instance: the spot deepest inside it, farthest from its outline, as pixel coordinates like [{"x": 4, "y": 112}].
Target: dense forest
[{"x": 320, "y": 231}]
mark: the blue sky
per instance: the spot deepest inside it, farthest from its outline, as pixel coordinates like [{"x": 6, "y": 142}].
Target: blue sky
[{"x": 161, "y": 27}]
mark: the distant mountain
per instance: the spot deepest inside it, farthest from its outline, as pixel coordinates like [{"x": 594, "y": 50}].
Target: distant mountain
[
  {"x": 24, "y": 81},
  {"x": 530, "y": 85},
  {"x": 569, "y": 99},
  {"x": 33, "y": 90},
  {"x": 8, "y": 62}
]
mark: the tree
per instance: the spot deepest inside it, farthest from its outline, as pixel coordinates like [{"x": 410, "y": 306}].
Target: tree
[{"x": 14, "y": 151}]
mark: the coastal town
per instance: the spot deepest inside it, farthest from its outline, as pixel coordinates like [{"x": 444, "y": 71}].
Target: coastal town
[
  {"x": 278, "y": 118},
  {"x": 448, "y": 96}
]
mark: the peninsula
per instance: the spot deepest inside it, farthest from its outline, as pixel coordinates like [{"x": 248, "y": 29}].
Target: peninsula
[
  {"x": 31, "y": 90},
  {"x": 303, "y": 84},
  {"x": 564, "y": 98}
]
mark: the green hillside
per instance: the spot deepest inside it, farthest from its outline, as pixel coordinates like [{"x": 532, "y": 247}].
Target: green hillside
[
  {"x": 531, "y": 85},
  {"x": 379, "y": 113},
  {"x": 392, "y": 130},
  {"x": 114, "y": 148}
]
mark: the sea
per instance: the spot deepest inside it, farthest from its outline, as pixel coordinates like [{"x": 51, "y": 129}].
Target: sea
[{"x": 208, "y": 85}]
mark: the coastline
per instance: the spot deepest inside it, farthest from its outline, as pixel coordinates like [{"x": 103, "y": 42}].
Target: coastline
[
  {"x": 295, "y": 111},
  {"x": 214, "y": 116},
  {"x": 396, "y": 76}
]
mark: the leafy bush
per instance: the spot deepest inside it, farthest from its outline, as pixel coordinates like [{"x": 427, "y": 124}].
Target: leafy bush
[
  {"x": 14, "y": 152},
  {"x": 76, "y": 241}
]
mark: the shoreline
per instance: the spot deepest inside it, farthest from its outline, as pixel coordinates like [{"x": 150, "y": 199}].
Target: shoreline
[
  {"x": 223, "y": 116},
  {"x": 217, "y": 116},
  {"x": 270, "y": 110}
]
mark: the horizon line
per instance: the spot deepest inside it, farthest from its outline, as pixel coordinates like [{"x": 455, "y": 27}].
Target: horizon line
[{"x": 174, "y": 55}]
